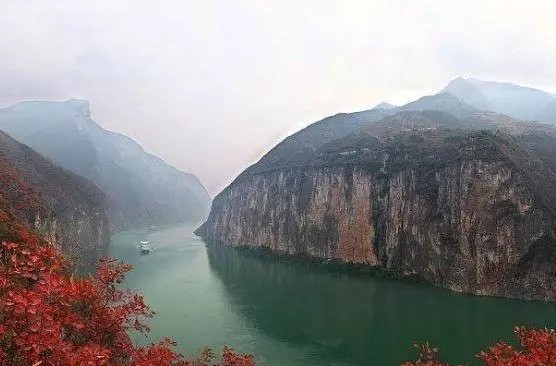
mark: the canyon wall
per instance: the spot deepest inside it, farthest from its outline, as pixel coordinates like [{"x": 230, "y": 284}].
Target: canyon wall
[
  {"x": 474, "y": 225},
  {"x": 82, "y": 233}
]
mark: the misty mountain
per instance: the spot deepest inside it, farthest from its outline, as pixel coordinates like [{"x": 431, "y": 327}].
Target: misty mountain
[
  {"x": 468, "y": 103},
  {"x": 469, "y": 93},
  {"x": 507, "y": 98},
  {"x": 302, "y": 144},
  {"x": 385, "y": 105},
  {"x": 298, "y": 147},
  {"x": 142, "y": 189}
]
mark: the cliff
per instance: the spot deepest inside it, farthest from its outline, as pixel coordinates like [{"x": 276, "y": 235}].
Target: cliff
[
  {"x": 141, "y": 189},
  {"x": 421, "y": 193},
  {"x": 62, "y": 207}
]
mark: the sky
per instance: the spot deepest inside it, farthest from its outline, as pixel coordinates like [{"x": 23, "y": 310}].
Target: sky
[{"x": 211, "y": 85}]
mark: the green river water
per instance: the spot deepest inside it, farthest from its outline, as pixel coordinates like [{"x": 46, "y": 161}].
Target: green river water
[{"x": 290, "y": 313}]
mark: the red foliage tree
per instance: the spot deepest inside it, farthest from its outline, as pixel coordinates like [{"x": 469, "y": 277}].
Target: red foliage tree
[
  {"x": 50, "y": 318},
  {"x": 16, "y": 196},
  {"x": 537, "y": 348}
]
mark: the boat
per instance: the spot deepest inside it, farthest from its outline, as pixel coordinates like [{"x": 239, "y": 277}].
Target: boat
[{"x": 144, "y": 247}]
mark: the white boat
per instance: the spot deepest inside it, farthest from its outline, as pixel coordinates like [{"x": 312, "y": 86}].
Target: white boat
[{"x": 144, "y": 247}]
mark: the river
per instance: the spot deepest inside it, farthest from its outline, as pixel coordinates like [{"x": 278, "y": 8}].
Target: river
[{"x": 290, "y": 313}]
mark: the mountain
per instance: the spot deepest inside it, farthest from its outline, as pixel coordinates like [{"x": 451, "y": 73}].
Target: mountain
[
  {"x": 469, "y": 93},
  {"x": 301, "y": 145},
  {"x": 385, "y": 105},
  {"x": 437, "y": 189},
  {"x": 62, "y": 207},
  {"x": 444, "y": 102},
  {"x": 548, "y": 113},
  {"x": 513, "y": 100},
  {"x": 141, "y": 188}
]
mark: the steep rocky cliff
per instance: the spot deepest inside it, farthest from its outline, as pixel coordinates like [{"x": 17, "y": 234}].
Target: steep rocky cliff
[
  {"x": 421, "y": 193},
  {"x": 61, "y": 206}
]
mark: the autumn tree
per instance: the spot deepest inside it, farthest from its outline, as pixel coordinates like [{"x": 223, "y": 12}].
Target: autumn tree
[
  {"x": 537, "y": 348},
  {"x": 48, "y": 317}
]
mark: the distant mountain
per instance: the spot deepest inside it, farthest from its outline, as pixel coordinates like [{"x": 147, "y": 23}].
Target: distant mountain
[
  {"x": 64, "y": 208},
  {"x": 385, "y": 105},
  {"x": 469, "y": 93},
  {"x": 141, "y": 188},
  {"x": 510, "y": 99}
]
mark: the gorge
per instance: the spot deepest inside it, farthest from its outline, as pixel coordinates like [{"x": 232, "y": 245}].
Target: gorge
[
  {"x": 84, "y": 183},
  {"x": 277, "y": 183}
]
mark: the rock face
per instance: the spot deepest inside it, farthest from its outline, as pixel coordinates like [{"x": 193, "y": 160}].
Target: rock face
[
  {"x": 141, "y": 189},
  {"x": 62, "y": 207},
  {"x": 470, "y": 211}
]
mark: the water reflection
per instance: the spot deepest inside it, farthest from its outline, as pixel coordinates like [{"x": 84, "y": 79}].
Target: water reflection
[
  {"x": 191, "y": 303},
  {"x": 357, "y": 320}
]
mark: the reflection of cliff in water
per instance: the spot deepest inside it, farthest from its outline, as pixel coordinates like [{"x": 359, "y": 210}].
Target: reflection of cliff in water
[{"x": 364, "y": 320}]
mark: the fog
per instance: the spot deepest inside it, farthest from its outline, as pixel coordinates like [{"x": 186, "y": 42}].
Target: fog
[{"x": 211, "y": 85}]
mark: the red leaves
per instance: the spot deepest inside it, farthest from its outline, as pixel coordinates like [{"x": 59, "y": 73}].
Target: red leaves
[
  {"x": 231, "y": 358},
  {"x": 159, "y": 354},
  {"x": 16, "y": 195},
  {"x": 50, "y": 318},
  {"x": 538, "y": 348},
  {"x": 93, "y": 355},
  {"x": 428, "y": 356}
]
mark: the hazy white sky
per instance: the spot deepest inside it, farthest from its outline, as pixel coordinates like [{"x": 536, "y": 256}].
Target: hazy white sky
[{"x": 210, "y": 85}]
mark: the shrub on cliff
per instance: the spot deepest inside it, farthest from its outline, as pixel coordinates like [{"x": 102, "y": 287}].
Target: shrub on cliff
[
  {"x": 537, "y": 348},
  {"x": 50, "y": 318}
]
